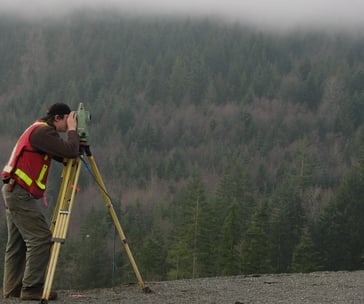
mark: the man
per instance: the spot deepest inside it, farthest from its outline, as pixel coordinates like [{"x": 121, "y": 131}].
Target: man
[{"x": 24, "y": 176}]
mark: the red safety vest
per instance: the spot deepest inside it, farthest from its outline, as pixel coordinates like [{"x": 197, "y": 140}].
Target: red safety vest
[{"x": 28, "y": 167}]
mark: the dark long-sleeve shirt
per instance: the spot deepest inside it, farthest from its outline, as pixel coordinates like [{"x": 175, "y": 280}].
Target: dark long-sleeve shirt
[{"x": 48, "y": 140}]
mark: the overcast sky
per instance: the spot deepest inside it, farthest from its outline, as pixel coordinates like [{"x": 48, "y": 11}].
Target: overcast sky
[{"x": 271, "y": 13}]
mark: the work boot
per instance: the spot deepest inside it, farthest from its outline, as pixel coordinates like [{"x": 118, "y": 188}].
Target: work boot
[
  {"x": 13, "y": 294},
  {"x": 36, "y": 295}
]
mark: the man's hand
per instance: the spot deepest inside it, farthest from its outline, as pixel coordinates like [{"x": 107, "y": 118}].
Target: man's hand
[{"x": 72, "y": 121}]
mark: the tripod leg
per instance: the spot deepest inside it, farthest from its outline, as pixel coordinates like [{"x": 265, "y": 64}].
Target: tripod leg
[
  {"x": 61, "y": 220},
  {"x": 62, "y": 193},
  {"x": 116, "y": 222}
]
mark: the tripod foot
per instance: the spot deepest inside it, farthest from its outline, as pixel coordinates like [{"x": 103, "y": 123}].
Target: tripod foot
[{"x": 146, "y": 289}]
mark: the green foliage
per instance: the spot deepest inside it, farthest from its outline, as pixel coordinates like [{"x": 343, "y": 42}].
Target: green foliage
[
  {"x": 229, "y": 259},
  {"x": 286, "y": 225},
  {"x": 263, "y": 117},
  {"x": 235, "y": 188},
  {"x": 340, "y": 228},
  {"x": 189, "y": 238},
  {"x": 152, "y": 259},
  {"x": 234, "y": 206},
  {"x": 305, "y": 256},
  {"x": 92, "y": 250},
  {"x": 256, "y": 257}
]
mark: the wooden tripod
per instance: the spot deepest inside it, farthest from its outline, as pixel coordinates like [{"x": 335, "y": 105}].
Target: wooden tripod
[{"x": 62, "y": 213}]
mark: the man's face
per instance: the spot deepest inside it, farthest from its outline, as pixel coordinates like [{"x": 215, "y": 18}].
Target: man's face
[{"x": 61, "y": 123}]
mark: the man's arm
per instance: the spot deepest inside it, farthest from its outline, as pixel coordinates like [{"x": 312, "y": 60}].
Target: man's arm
[{"x": 47, "y": 140}]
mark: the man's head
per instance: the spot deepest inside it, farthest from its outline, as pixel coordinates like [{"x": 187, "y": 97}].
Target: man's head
[{"x": 57, "y": 116}]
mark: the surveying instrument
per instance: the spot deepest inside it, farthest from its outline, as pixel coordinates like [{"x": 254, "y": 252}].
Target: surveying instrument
[{"x": 66, "y": 196}]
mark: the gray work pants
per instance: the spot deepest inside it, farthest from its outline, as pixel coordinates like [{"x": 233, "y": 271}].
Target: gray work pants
[{"x": 29, "y": 240}]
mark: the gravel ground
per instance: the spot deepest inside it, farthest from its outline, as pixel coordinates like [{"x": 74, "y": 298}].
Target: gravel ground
[{"x": 319, "y": 287}]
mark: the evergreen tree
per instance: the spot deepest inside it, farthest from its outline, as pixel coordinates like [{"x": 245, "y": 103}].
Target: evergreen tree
[
  {"x": 339, "y": 232},
  {"x": 235, "y": 186},
  {"x": 287, "y": 223},
  {"x": 152, "y": 258},
  {"x": 92, "y": 259},
  {"x": 305, "y": 256},
  {"x": 186, "y": 249},
  {"x": 197, "y": 77},
  {"x": 234, "y": 207},
  {"x": 178, "y": 81},
  {"x": 65, "y": 276},
  {"x": 256, "y": 247},
  {"x": 229, "y": 259}
]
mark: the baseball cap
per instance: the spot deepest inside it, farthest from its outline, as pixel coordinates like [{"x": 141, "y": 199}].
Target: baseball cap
[{"x": 58, "y": 109}]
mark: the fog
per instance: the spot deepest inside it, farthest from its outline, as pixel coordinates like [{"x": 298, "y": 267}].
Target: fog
[{"x": 266, "y": 13}]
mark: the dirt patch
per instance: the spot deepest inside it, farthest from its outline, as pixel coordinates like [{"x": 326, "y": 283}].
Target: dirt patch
[{"x": 318, "y": 287}]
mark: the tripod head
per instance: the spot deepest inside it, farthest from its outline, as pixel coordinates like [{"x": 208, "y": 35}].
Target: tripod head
[{"x": 83, "y": 117}]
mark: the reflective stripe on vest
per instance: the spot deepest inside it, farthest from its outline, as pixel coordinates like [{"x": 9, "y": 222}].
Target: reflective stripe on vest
[
  {"x": 8, "y": 169},
  {"x": 23, "y": 176},
  {"x": 40, "y": 177}
]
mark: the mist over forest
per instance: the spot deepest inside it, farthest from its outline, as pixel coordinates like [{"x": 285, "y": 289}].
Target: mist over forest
[{"x": 226, "y": 148}]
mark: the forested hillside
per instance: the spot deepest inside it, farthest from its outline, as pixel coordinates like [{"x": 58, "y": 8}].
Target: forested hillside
[{"x": 226, "y": 150}]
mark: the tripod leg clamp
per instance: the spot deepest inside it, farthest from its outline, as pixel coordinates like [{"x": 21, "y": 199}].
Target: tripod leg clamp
[{"x": 58, "y": 240}]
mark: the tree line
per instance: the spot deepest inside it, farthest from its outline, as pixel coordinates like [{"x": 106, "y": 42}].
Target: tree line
[{"x": 227, "y": 150}]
